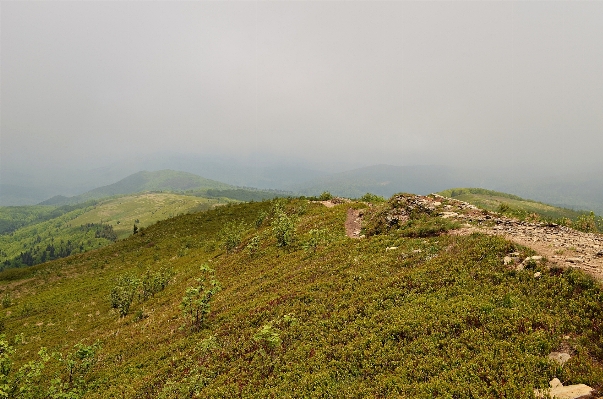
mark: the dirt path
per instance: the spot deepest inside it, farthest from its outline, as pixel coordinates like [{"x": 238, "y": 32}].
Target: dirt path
[
  {"x": 561, "y": 245},
  {"x": 353, "y": 223}
]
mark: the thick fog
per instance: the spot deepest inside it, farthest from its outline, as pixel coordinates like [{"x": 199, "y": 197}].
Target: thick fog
[{"x": 504, "y": 84}]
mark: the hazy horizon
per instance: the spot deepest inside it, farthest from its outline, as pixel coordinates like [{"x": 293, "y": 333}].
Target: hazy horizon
[{"x": 329, "y": 86}]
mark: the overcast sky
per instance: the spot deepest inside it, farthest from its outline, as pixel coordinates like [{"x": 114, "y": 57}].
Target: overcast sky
[{"x": 398, "y": 82}]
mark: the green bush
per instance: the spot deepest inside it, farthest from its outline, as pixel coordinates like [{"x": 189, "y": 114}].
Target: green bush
[
  {"x": 316, "y": 237},
  {"x": 283, "y": 227},
  {"x": 259, "y": 221},
  {"x": 123, "y": 293},
  {"x": 268, "y": 336},
  {"x": 29, "y": 381},
  {"x": 586, "y": 223},
  {"x": 253, "y": 245},
  {"x": 373, "y": 198},
  {"x": 325, "y": 196},
  {"x": 195, "y": 304},
  {"x": 232, "y": 234},
  {"x": 7, "y": 300},
  {"x": 153, "y": 282}
]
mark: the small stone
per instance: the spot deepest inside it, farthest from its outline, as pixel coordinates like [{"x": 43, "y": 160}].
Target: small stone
[
  {"x": 507, "y": 260},
  {"x": 571, "y": 392},
  {"x": 446, "y": 215},
  {"x": 537, "y": 275},
  {"x": 555, "y": 383},
  {"x": 390, "y": 248},
  {"x": 514, "y": 254},
  {"x": 559, "y": 357},
  {"x": 417, "y": 251},
  {"x": 574, "y": 260}
]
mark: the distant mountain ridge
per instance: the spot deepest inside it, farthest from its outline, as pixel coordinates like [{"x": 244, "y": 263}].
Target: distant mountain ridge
[
  {"x": 162, "y": 180},
  {"x": 385, "y": 180},
  {"x": 574, "y": 192}
]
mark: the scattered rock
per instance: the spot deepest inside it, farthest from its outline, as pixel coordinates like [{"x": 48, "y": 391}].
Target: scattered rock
[
  {"x": 574, "y": 260},
  {"x": 508, "y": 260},
  {"x": 537, "y": 275},
  {"x": 390, "y": 248},
  {"x": 446, "y": 215},
  {"x": 417, "y": 251},
  {"x": 558, "y": 391},
  {"x": 559, "y": 357}
]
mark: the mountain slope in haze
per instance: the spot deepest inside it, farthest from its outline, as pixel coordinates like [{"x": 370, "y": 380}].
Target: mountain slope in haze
[
  {"x": 13, "y": 194},
  {"x": 583, "y": 192},
  {"x": 409, "y": 311},
  {"x": 384, "y": 180},
  {"x": 163, "y": 180}
]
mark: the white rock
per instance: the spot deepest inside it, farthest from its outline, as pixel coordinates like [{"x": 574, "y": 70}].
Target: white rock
[
  {"x": 559, "y": 357},
  {"x": 446, "y": 215},
  {"x": 537, "y": 274},
  {"x": 555, "y": 383},
  {"x": 390, "y": 248},
  {"x": 558, "y": 391}
]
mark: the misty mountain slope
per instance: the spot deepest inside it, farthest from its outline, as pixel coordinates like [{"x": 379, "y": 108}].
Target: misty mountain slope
[
  {"x": 13, "y": 194},
  {"x": 385, "y": 180},
  {"x": 583, "y": 192},
  {"x": 409, "y": 311},
  {"x": 163, "y": 180}
]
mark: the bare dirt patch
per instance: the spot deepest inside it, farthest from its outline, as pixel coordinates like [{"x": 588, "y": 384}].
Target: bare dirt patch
[{"x": 353, "y": 223}]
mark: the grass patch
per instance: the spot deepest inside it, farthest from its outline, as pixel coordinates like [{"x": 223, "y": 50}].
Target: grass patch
[{"x": 438, "y": 316}]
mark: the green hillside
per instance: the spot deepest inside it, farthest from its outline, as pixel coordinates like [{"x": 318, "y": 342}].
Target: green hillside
[
  {"x": 272, "y": 299},
  {"x": 516, "y": 206},
  {"x": 16, "y": 217},
  {"x": 163, "y": 180},
  {"x": 143, "y": 210},
  {"x": 88, "y": 226}
]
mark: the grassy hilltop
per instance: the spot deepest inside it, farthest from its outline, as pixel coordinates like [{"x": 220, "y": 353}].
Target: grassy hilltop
[{"x": 289, "y": 306}]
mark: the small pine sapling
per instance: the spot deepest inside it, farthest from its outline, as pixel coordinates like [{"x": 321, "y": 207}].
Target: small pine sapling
[{"x": 195, "y": 304}]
